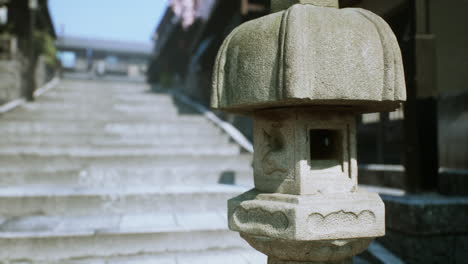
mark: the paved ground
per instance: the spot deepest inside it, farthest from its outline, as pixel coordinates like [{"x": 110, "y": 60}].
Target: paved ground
[{"x": 105, "y": 172}]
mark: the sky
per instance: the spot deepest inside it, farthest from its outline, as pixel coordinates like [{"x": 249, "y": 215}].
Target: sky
[{"x": 107, "y": 19}]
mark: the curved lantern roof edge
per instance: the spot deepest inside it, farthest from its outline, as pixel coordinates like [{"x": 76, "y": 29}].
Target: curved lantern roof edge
[{"x": 310, "y": 55}]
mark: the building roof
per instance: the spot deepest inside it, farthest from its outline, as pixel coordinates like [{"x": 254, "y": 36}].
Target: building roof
[{"x": 116, "y": 46}]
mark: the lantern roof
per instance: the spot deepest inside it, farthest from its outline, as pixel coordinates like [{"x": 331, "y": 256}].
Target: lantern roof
[{"x": 310, "y": 53}]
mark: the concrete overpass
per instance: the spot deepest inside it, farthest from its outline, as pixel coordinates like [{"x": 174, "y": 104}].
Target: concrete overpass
[{"x": 99, "y": 56}]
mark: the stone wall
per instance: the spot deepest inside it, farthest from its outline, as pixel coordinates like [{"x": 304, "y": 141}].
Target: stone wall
[
  {"x": 427, "y": 228},
  {"x": 44, "y": 73},
  {"x": 12, "y": 77},
  {"x": 11, "y": 81}
]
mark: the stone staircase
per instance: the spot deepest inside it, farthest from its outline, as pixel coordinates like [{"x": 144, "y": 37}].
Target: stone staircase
[{"x": 104, "y": 172}]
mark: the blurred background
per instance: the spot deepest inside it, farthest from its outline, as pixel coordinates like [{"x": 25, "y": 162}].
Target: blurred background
[{"x": 109, "y": 153}]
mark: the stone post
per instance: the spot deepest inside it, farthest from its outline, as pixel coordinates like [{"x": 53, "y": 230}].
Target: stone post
[
  {"x": 304, "y": 73},
  {"x": 31, "y": 84}
]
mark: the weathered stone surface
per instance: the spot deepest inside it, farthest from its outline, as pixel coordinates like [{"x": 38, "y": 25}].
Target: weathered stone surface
[
  {"x": 308, "y": 217},
  {"x": 291, "y": 158},
  {"x": 306, "y": 205},
  {"x": 10, "y": 74},
  {"x": 310, "y": 55},
  {"x": 308, "y": 251}
]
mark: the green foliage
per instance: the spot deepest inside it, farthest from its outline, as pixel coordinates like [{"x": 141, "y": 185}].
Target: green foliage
[
  {"x": 166, "y": 79},
  {"x": 45, "y": 46}
]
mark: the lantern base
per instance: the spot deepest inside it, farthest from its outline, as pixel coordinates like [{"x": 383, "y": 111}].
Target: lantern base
[{"x": 301, "y": 252}]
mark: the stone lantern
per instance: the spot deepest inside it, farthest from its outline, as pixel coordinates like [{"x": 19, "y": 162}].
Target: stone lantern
[{"x": 304, "y": 73}]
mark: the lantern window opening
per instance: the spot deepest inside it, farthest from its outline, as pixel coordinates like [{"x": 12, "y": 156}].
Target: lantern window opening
[{"x": 326, "y": 149}]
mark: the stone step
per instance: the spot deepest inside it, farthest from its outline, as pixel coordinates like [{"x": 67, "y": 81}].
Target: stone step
[
  {"x": 101, "y": 89},
  {"x": 137, "y": 97},
  {"x": 222, "y": 162},
  {"x": 113, "y": 107},
  {"x": 155, "y": 133},
  {"x": 145, "y": 98},
  {"x": 8, "y": 126},
  {"x": 140, "y": 98},
  {"x": 113, "y": 140},
  {"x": 94, "y": 124},
  {"x": 59, "y": 200},
  {"x": 232, "y": 255},
  {"x": 97, "y": 123},
  {"x": 118, "y": 237},
  {"x": 226, "y": 256},
  {"x": 97, "y": 99},
  {"x": 90, "y": 113},
  {"x": 118, "y": 177},
  {"x": 94, "y": 100},
  {"x": 80, "y": 151},
  {"x": 100, "y": 117},
  {"x": 53, "y": 128}
]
